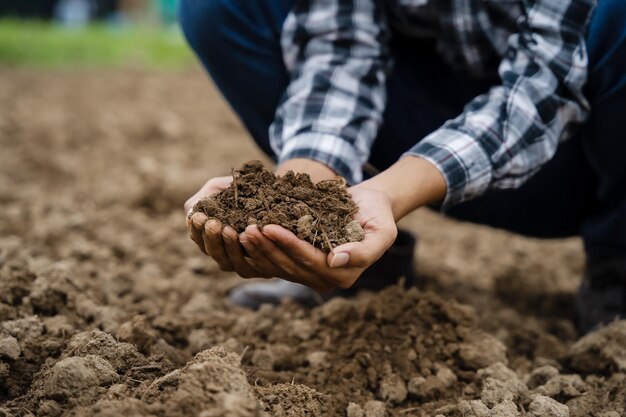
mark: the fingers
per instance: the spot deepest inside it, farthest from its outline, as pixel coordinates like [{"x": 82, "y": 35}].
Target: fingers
[
  {"x": 267, "y": 256},
  {"x": 218, "y": 184},
  {"x": 214, "y": 244},
  {"x": 297, "y": 249},
  {"x": 362, "y": 254},
  {"x": 298, "y": 259},
  {"x": 318, "y": 262},
  {"x": 196, "y": 228},
  {"x": 208, "y": 234},
  {"x": 191, "y": 202},
  {"x": 214, "y": 185},
  {"x": 271, "y": 252},
  {"x": 188, "y": 206},
  {"x": 287, "y": 267},
  {"x": 256, "y": 258},
  {"x": 236, "y": 254}
]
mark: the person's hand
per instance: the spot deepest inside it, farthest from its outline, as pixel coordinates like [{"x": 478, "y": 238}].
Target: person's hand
[
  {"x": 383, "y": 200},
  {"x": 222, "y": 243},
  {"x": 277, "y": 252},
  {"x": 196, "y": 222}
]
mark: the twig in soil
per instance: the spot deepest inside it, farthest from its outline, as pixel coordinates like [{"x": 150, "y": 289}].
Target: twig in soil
[
  {"x": 245, "y": 349},
  {"x": 232, "y": 172},
  {"x": 146, "y": 368},
  {"x": 351, "y": 214},
  {"x": 326, "y": 239},
  {"x": 408, "y": 410},
  {"x": 265, "y": 203},
  {"x": 28, "y": 413},
  {"x": 324, "y": 235}
]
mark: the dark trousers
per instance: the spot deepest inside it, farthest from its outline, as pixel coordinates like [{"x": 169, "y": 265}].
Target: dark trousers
[{"x": 581, "y": 191}]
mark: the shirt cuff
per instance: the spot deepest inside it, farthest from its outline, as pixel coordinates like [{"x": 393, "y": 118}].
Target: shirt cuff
[
  {"x": 462, "y": 161},
  {"x": 332, "y": 151}
]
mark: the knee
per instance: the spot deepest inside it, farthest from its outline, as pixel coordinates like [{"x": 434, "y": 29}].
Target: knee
[
  {"x": 606, "y": 42},
  {"x": 203, "y": 22},
  {"x": 607, "y": 29}
]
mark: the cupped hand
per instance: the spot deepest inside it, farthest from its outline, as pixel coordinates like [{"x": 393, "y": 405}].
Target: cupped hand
[
  {"x": 213, "y": 239},
  {"x": 277, "y": 252},
  {"x": 222, "y": 243},
  {"x": 197, "y": 222}
]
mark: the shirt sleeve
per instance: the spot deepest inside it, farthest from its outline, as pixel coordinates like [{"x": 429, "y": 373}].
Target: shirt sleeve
[
  {"x": 336, "y": 52},
  {"x": 504, "y": 136}
]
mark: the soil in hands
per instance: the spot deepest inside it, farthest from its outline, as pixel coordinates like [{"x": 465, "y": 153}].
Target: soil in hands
[{"x": 321, "y": 214}]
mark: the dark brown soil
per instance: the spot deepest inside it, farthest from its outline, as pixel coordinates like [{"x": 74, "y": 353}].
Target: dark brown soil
[
  {"x": 107, "y": 308},
  {"x": 322, "y": 213}
]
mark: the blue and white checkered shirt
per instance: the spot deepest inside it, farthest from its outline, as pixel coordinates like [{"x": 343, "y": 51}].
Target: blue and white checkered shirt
[{"x": 337, "y": 54}]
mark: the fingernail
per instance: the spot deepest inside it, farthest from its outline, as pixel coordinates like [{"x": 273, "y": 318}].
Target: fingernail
[
  {"x": 213, "y": 226},
  {"x": 339, "y": 259},
  {"x": 249, "y": 260},
  {"x": 252, "y": 239},
  {"x": 251, "y": 229},
  {"x": 244, "y": 240},
  {"x": 268, "y": 235},
  {"x": 226, "y": 233}
]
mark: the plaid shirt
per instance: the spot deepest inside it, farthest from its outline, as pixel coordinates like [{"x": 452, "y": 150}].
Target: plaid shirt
[{"x": 337, "y": 54}]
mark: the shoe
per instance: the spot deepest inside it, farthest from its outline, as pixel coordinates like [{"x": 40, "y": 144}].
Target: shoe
[
  {"x": 395, "y": 264},
  {"x": 602, "y": 295}
]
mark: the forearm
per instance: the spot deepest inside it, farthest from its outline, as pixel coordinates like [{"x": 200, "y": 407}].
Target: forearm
[
  {"x": 332, "y": 108},
  {"x": 410, "y": 183},
  {"x": 506, "y": 135}
]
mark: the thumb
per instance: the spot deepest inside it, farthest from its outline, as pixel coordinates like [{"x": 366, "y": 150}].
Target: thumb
[
  {"x": 213, "y": 186},
  {"x": 189, "y": 204}
]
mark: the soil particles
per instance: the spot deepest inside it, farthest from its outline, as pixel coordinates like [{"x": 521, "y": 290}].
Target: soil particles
[
  {"x": 322, "y": 213},
  {"x": 108, "y": 309}
]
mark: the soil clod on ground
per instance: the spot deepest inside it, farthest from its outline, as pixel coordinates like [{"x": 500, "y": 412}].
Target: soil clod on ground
[{"x": 322, "y": 213}]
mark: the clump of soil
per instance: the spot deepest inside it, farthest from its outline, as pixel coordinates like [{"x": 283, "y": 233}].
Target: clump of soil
[{"x": 322, "y": 213}]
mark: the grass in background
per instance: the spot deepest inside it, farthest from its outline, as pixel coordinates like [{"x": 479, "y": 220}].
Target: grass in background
[{"x": 45, "y": 45}]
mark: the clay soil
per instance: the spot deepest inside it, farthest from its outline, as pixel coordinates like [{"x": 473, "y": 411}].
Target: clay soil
[{"x": 107, "y": 308}]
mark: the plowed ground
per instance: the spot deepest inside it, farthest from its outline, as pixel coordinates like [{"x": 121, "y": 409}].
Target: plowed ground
[{"x": 107, "y": 308}]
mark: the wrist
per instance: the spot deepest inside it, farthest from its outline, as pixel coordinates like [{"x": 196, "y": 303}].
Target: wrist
[
  {"x": 410, "y": 183},
  {"x": 316, "y": 170}
]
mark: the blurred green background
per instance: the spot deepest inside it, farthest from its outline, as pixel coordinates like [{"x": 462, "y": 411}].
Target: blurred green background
[{"x": 59, "y": 34}]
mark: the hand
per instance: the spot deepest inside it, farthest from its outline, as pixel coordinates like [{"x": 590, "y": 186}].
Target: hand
[
  {"x": 408, "y": 184},
  {"x": 277, "y": 252},
  {"x": 222, "y": 243},
  {"x": 196, "y": 222}
]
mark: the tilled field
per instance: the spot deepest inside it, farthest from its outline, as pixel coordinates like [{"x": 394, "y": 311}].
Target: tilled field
[{"x": 107, "y": 309}]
